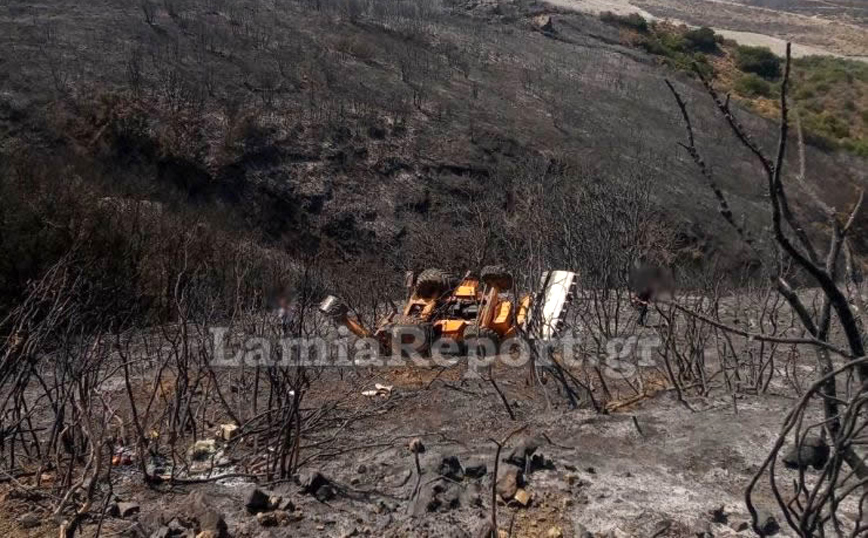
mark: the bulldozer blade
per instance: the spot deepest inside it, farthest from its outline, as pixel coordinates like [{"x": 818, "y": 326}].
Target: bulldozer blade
[
  {"x": 556, "y": 293},
  {"x": 332, "y": 307},
  {"x": 337, "y": 311}
]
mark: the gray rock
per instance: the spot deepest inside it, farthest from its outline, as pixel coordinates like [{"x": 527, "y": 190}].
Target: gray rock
[
  {"x": 813, "y": 451},
  {"x": 196, "y": 512},
  {"x": 524, "y": 451},
  {"x": 179, "y": 527},
  {"x": 544, "y": 23},
  {"x": 540, "y": 462},
  {"x": 212, "y": 522},
  {"x": 475, "y": 470},
  {"x": 440, "y": 496},
  {"x": 313, "y": 482},
  {"x": 719, "y": 515},
  {"x": 257, "y": 501},
  {"x": 473, "y": 495},
  {"x": 451, "y": 468},
  {"x": 30, "y": 520},
  {"x": 325, "y": 493},
  {"x": 126, "y": 510},
  {"x": 767, "y": 524},
  {"x": 508, "y": 482}
]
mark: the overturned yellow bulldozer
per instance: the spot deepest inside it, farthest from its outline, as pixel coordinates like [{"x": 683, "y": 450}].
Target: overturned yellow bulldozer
[{"x": 474, "y": 312}]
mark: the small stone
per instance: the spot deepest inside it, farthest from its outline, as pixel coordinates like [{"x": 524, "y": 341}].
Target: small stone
[
  {"x": 227, "y": 432},
  {"x": 451, "y": 468},
  {"x": 508, "y": 483},
  {"x": 325, "y": 493},
  {"x": 362, "y": 469},
  {"x": 719, "y": 515},
  {"x": 383, "y": 507},
  {"x": 524, "y": 451},
  {"x": 544, "y": 23},
  {"x": 767, "y": 523},
  {"x": 128, "y": 509},
  {"x": 477, "y": 470},
  {"x": 267, "y": 519},
  {"x": 523, "y": 497},
  {"x": 177, "y": 527},
  {"x": 555, "y": 532}
]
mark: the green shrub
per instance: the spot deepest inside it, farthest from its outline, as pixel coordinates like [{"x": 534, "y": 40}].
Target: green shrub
[
  {"x": 673, "y": 42},
  {"x": 702, "y": 39},
  {"x": 758, "y": 60},
  {"x": 859, "y": 146},
  {"x": 669, "y": 45},
  {"x": 825, "y": 124},
  {"x": 652, "y": 45},
  {"x": 750, "y": 85}
]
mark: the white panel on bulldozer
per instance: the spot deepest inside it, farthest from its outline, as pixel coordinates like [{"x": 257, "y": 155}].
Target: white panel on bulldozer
[{"x": 557, "y": 290}]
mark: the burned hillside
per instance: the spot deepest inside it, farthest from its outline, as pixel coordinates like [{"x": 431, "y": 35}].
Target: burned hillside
[{"x": 408, "y": 268}]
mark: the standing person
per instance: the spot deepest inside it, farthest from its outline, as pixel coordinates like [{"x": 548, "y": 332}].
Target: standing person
[
  {"x": 283, "y": 313},
  {"x": 641, "y": 301},
  {"x": 648, "y": 280}
]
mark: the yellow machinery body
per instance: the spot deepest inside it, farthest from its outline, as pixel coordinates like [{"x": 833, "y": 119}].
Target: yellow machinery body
[{"x": 475, "y": 305}]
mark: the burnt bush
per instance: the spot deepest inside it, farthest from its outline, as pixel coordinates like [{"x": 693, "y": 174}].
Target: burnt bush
[{"x": 634, "y": 21}]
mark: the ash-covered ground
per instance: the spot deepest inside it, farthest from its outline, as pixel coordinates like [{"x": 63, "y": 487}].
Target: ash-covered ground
[{"x": 655, "y": 467}]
